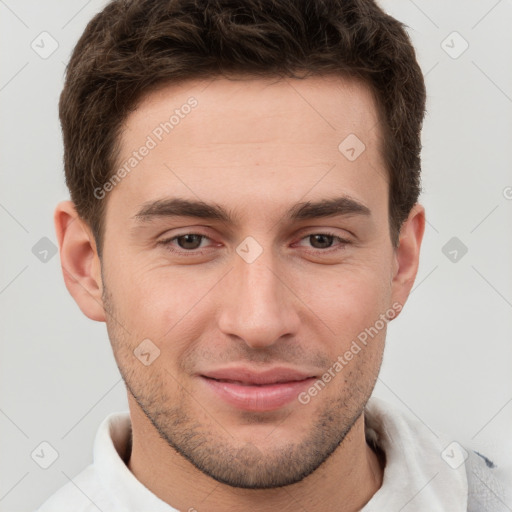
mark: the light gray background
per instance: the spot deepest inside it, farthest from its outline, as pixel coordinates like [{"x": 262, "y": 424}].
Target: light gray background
[{"x": 449, "y": 356}]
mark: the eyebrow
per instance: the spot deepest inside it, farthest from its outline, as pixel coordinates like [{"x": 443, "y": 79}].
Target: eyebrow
[{"x": 176, "y": 207}]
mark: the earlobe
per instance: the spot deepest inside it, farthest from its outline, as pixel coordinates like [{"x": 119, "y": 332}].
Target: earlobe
[
  {"x": 407, "y": 254},
  {"x": 79, "y": 261}
]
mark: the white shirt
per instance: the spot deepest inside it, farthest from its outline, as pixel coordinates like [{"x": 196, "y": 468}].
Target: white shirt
[{"x": 417, "y": 476}]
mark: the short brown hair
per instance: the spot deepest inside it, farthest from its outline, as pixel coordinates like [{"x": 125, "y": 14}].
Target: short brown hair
[{"x": 135, "y": 46}]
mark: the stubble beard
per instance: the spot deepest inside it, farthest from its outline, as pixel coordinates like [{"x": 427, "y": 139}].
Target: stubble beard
[{"x": 217, "y": 452}]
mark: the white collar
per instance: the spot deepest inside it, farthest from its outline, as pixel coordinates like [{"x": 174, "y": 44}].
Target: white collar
[
  {"x": 416, "y": 477},
  {"x": 110, "y": 445}
]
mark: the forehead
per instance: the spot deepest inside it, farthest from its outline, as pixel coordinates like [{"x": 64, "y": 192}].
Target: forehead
[
  {"x": 253, "y": 140},
  {"x": 329, "y": 104}
]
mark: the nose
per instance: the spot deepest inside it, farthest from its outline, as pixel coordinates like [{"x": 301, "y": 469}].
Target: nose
[{"x": 257, "y": 305}]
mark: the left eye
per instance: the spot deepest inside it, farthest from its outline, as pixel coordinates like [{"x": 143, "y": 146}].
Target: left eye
[
  {"x": 188, "y": 242},
  {"x": 323, "y": 240}
]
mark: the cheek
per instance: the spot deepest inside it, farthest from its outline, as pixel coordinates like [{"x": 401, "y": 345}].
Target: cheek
[
  {"x": 348, "y": 300},
  {"x": 162, "y": 305}
]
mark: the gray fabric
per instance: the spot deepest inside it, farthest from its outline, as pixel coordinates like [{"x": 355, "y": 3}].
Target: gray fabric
[{"x": 485, "y": 492}]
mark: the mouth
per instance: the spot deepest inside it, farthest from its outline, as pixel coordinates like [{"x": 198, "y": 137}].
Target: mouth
[
  {"x": 248, "y": 390},
  {"x": 251, "y": 383}
]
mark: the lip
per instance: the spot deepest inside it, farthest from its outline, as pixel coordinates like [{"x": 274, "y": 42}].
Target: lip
[{"x": 257, "y": 391}]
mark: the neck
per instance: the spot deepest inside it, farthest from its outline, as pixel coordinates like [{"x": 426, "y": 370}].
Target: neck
[{"x": 344, "y": 482}]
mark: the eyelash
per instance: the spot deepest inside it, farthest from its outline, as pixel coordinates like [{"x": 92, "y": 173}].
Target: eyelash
[{"x": 197, "y": 252}]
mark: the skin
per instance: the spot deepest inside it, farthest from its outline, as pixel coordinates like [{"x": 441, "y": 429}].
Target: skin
[{"x": 256, "y": 147}]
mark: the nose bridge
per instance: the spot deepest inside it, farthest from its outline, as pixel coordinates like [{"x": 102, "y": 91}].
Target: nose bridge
[{"x": 256, "y": 306}]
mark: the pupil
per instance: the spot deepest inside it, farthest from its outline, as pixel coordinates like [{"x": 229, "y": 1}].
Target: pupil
[
  {"x": 189, "y": 240},
  {"x": 325, "y": 241}
]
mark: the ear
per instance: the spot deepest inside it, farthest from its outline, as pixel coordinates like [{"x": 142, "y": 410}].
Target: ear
[
  {"x": 407, "y": 254},
  {"x": 79, "y": 259}
]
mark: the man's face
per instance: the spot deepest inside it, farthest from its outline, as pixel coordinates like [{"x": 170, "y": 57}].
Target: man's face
[{"x": 249, "y": 311}]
